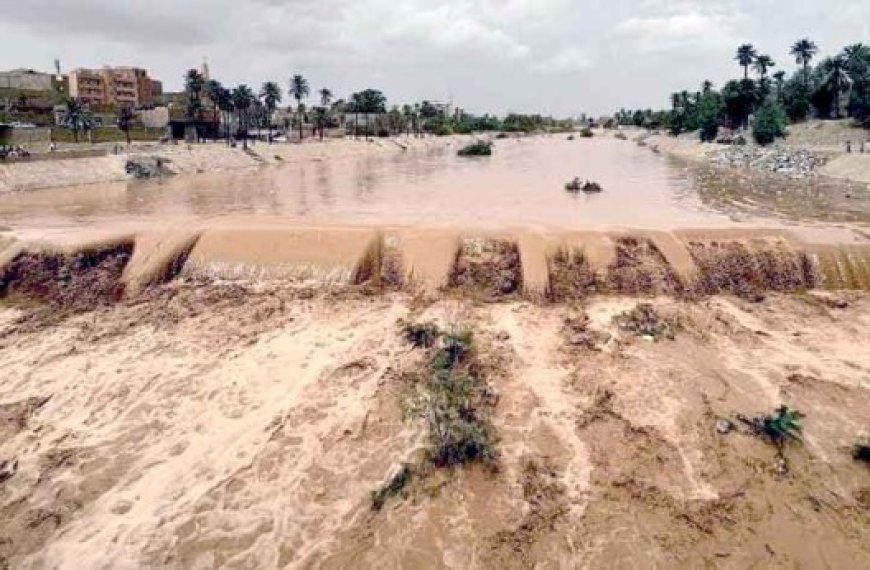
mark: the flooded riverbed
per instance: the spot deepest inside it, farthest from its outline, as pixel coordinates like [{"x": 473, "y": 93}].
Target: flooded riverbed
[{"x": 521, "y": 185}]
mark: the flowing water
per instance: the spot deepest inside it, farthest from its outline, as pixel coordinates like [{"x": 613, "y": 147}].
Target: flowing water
[{"x": 521, "y": 185}]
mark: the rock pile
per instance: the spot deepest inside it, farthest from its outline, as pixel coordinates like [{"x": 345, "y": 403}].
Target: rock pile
[
  {"x": 144, "y": 167},
  {"x": 792, "y": 162}
]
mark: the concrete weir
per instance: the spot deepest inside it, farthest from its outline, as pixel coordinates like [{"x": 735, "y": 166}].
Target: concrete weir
[{"x": 536, "y": 265}]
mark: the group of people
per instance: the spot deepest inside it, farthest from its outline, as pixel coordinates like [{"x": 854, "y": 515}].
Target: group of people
[{"x": 13, "y": 152}]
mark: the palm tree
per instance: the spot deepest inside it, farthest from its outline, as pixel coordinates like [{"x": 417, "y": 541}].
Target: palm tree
[
  {"x": 271, "y": 95},
  {"x": 706, "y": 87},
  {"x": 212, "y": 89},
  {"x": 779, "y": 78},
  {"x": 355, "y": 106},
  {"x": 125, "y": 121},
  {"x": 803, "y": 51},
  {"x": 675, "y": 101},
  {"x": 243, "y": 98},
  {"x": 224, "y": 102},
  {"x": 325, "y": 97},
  {"x": 746, "y": 54},
  {"x": 299, "y": 90},
  {"x": 75, "y": 117},
  {"x": 836, "y": 79},
  {"x": 193, "y": 85},
  {"x": 762, "y": 64}
]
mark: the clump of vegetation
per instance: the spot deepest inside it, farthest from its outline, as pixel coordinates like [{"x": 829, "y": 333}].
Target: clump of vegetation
[
  {"x": 487, "y": 268},
  {"x": 779, "y": 427},
  {"x": 586, "y": 133},
  {"x": 479, "y": 148},
  {"x": 420, "y": 335},
  {"x": 769, "y": 124},
  {"x": 453, "y": 399},
  {"x": 645, "y": 322},
  {"x": 861, "y": 451},
  {"x": 392, "y": 488},
  {"x": 586, "y": 186}
]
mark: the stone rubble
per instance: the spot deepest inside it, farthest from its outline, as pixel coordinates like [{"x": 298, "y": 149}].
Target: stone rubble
[{"x": 792, "y": 162}]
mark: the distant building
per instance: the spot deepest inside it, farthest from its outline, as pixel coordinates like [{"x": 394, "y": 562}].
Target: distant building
[
  {"x": 27, "y": 80},
  {"x": 121, "y": 86}
]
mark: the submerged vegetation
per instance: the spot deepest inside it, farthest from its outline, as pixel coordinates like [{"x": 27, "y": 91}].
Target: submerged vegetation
[
  {"x": 861, "y": 451},
  {"x": 393, "y": 487},
  {"x": 450, "y": 394},
  {"x": 479, "y": 148}
]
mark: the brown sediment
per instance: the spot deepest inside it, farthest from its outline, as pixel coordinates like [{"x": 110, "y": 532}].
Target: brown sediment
[
  {"x": 571, "y": 276},
  {"x": 487, "y": 267},
  {"x": 83, "y": 279},
  {"x": 749, "y": 270},
  {"x": 381, "y": 266},
  {"x": 641, "y": 268}
]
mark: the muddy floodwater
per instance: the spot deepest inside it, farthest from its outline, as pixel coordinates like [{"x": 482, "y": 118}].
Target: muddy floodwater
[{"x": 521, "y": 185}]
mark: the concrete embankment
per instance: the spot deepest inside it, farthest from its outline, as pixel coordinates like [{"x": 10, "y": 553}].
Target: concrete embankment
[
  {"x": 189, "y": 159},
  {"x": 488, "y": 265}
]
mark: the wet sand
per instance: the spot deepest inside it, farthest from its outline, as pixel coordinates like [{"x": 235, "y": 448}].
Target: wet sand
[{"x": 222, "y": 425}]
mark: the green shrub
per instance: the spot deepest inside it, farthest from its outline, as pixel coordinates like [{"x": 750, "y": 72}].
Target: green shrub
[
  {"x": 586, "y": 133},
  {"x": 479, "y": 148},
  {"x": 780, "y": 426},
  {"x": 421, "y": 335},
  {"x": 769, "y": 124}
]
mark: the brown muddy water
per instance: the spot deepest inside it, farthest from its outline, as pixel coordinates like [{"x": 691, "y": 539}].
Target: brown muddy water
[{"x": 521, "y": 185}]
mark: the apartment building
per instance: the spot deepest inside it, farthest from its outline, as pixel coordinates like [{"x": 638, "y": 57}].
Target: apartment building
[{"x": 121, "y": 86}]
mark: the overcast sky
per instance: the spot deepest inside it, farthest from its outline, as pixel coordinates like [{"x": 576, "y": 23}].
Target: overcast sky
[{"x": 550, "y": 56}]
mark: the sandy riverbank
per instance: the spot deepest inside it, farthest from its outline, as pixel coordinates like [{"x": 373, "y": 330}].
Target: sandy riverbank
[
  {"x": 191, "y": 159},
  {"x": 245, "y": 425}
]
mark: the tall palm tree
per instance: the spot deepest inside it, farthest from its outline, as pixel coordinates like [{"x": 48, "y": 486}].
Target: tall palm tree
[
  {"x": 746, "y": 54},
  {"x": 243, "y": 99},
  {"x": 356, "y": 106},
  {"x": 779, "y": 78},
  {"x": 804, "y": 51},
  {"x": 75, "y": 117},
  {"x": 224, "y": 102},
  {"x": 762, "y": 64},
  {"x": 675, "y": 101},
  {"x": 299, "y": 90},
  {"x": 325, "y": 96},
  {"x": 125, "y": 121},
  {"x": 706, "y": 87},
  {"x": 193, "y": 86},
  {"x": 271, "y": 95},
  {"x": 212, "y": 89},
  {"x": 836, "y": 79}
]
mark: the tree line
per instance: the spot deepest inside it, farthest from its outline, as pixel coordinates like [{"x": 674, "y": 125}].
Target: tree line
[{"x": 837, "y": 87}]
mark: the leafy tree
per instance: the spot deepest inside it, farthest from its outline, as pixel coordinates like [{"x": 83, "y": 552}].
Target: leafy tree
[
  {"x": 746, "y": 54},
  {"x": 769, "y": 123},
  {"x": 271, "y": 95},
  {"x": 740, "y": 99},
  {"x": 325, "y": 96},
  {"x": 710, "y": 111},
  {"x": 762, "y": 64},
  {"x": 858, "y": 67},
  {"x": 804, "y": 51},
  {"x": 299, "y": 90},
  {"x": 75, "y": 117},
  {"x": 125, "y": 121}
]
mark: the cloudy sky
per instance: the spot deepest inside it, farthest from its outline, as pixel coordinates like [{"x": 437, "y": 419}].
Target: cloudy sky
[{"x": 551, "y": 56}]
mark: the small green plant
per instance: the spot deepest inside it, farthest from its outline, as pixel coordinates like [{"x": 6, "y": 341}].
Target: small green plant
[
  {"x": 782, "y": 425},
  {"x": 861, "y": 451},
  {"x": 395, "y": 486},
  {"x": 586, "y": 133},
  {"x": 420, "y": 335},
  {"x": 479, "y": 148},
  {"x": 645, "y": 322}
]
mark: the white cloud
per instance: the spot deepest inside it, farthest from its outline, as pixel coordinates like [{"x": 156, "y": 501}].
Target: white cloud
[
  {"x": 568, "y": 60},
  {"x": 683, "y": 28}
]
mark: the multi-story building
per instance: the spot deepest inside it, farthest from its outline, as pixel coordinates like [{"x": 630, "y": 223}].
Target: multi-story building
[
  {"x": 121, "y": 86},
  {"x": 27, "y": 80}
]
